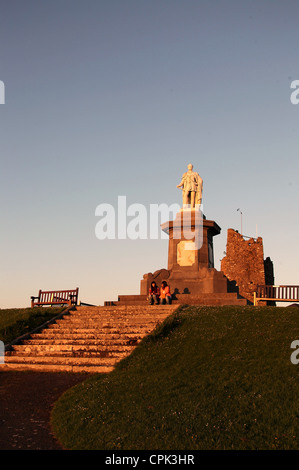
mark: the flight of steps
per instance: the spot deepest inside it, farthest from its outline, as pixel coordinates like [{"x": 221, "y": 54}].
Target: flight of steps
[{"x": 87, "y": 339}]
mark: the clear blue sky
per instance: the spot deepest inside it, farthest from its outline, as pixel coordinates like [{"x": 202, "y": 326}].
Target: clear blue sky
[{"x": 115, "y": 97}]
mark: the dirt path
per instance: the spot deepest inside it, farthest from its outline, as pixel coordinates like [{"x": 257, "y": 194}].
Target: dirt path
[{"x": 26, "y": 400}]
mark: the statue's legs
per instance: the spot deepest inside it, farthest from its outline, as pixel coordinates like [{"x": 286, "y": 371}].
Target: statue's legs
[
  {"x": 192, "y": 199},
  {"x": 186, "y": 198},
  {"x": 189, "y": 198}
]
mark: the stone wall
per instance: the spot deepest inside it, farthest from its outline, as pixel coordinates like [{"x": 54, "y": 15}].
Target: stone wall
[{"x": 244, "y": 263}]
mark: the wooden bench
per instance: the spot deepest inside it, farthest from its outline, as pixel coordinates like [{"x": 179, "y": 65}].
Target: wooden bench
[
  {"x": 56, "y": 297},
  {"x": 276, "y": 294}
]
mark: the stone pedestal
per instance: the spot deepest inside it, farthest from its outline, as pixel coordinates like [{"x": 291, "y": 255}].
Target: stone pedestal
[
  {"x": 190, "y": 241},
  {"x": 190, "y": 257}
]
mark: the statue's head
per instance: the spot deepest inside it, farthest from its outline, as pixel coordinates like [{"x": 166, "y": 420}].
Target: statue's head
[{"x": 190, "y": 167}]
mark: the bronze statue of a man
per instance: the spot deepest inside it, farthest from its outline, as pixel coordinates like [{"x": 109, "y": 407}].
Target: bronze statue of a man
[{"x": 191, "y": 185}]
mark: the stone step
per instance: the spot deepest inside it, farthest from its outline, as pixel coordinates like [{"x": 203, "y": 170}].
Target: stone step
[
  {"x": 101, "y": 326},
  {"x": 63, "y": 360},
  {"x": 119, "y": 308},
  {"x": 209, "y": 299},
  {"x": 117, "y": 315},
  {"x": 104, "y": 328},
  {"x": 97, "y": 355},
  {"x": 121, "y": 313},
  {"x": 50, "y": 335},
  {"x": 104, "y": 322},
  {"x": 136, "y": 313},
  {"x": 41, "y": 349},
  {"x": 91, "y": 368},
  {"x": 113, "y": 342},
  {"x": 61, "y": 332},
  {"x": 218, "y": 302}
]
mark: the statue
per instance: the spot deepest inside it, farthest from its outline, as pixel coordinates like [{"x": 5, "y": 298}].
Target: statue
[{"x": 191, "y": 185}]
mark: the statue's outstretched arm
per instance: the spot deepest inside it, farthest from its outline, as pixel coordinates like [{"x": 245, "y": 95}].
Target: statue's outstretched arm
[{"x": 182, "y": 182}]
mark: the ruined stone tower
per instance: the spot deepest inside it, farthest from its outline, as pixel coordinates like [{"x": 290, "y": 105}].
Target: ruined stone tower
[{"x": 244, "y": 263}]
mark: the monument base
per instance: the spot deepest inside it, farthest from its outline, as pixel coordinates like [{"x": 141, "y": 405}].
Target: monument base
[
  {"x": 184, "y": 299},
  {"x": 190, "y": 265},
  {"x": 191, "y": 274},
  {"x": 204, "y": 281}
]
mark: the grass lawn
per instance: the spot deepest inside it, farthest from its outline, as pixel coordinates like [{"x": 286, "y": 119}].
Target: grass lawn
[
  {"x": 15, "y": 322},
  {"x": 207, "y": 378}
]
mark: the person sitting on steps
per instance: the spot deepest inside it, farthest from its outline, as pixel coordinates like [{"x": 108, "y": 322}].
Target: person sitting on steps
[
  {"x": 154, "y": 294},
  {"x": 165, "y": 293}
]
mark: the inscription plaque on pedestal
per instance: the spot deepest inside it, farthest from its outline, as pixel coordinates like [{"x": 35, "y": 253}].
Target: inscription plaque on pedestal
[{"x": 186, "y": 253}]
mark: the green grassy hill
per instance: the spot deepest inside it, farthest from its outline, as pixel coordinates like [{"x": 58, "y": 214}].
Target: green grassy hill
[
  {"x": 207, "y": 378},
  {"x": 15, "y": 322}
]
